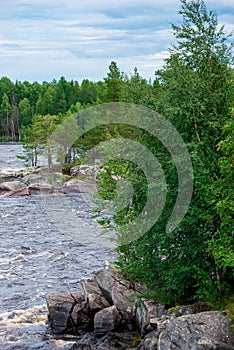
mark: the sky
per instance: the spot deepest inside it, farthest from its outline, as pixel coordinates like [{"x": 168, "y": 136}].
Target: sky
[{"x": 42, "y": 40}]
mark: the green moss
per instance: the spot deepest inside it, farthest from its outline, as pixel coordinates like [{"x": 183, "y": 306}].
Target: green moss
[{"x": 173, "y": 308}]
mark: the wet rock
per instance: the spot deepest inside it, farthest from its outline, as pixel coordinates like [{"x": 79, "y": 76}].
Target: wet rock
[
  {"x": 205, "y": 330},
  {"x": 44, "y": 181},
  {"x": 34, "y": 189},
  {"x": 60, "y": 306},
  {"x": 94, "y": 296},
  {"x": 106, "y": 320},
  {"x": 68, "y": 312}
]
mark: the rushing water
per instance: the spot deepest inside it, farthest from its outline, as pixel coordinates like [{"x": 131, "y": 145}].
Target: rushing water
[{"x": 37, "y": 257}]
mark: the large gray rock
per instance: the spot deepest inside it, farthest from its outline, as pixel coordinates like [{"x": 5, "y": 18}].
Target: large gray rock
[
  {"x": 94, "y": 296},
  {"x": 106, "y": 320},
  {"x": 148, "y": 314},
  {"x": 16, "y": 173},
  {"x": 85, "y": 170},
  {"x": 195, "y": 308},
  {"x": 44, "y": 181},
  {"x": 68, "y": 312},
  {"x": 202, "y": 331},
  {"x": 38, "y": 182},
  {"x": 19, "y": 193},
  {"x": 150, "y": 341},
  {"x": 32, "y": 178},
  {"x": 78, "y": 186},
  {"x": 12, "y": 186},
  {"x": 123, "y": 299},
  {"x": 106, "y": 280}
]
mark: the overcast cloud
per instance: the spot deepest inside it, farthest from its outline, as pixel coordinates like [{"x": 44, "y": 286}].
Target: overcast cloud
[{"x": 41, "y": 39}]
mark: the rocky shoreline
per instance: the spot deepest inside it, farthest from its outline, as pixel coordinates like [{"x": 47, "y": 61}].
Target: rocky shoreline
[
  {"x": 37, "y": 181},
  {"x": 112, "y": 314}
]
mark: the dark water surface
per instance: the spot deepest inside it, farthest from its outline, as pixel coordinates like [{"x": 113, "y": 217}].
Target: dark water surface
[{"x": 37, "y": 256}]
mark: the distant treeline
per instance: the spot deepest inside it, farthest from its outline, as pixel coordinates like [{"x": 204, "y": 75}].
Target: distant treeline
[{"x": 20, "y": 102}]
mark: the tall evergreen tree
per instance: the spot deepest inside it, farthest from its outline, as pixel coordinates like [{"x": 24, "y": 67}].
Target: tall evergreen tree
[
  {"x": 6, "y": 114},
  {"x": 114, "y": 82}
]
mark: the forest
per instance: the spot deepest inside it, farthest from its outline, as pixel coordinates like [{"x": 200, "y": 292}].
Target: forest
[{"x": 194, "y": 90}]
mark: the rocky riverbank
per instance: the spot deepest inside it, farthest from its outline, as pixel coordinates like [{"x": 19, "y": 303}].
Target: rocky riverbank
[
  {"x": 111, "y": 314},
  {"x": 36, "y": 181}
]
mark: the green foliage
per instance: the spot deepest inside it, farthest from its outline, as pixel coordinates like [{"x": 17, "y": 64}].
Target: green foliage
[
  {"x": 194, "y": 91},
  {"x": 37, "y": 136},
  {"x": 21, "y": 101},
  {"x": 114, "y": 83},
  {"x": 25, "y": 111},
  {"x": 221, "y": 246},
  {"x": 6, "y": 114}
]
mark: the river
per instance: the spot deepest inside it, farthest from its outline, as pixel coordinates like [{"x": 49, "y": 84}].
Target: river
[{"x": 37, "y": 257}]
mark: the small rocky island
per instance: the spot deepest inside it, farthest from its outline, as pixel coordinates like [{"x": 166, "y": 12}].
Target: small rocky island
[
  {"x": 111, "y": 314},
  {"x": 39, "y": 181}
]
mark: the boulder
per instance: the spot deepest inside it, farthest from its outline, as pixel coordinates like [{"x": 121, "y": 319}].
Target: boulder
[
  {"x": 43, "y": 181},
  {"x": 106, "y": 280},
  {"x": 32, "y": 178},
  {"x": 109, "y": 307},
  {"x": 12, "y": 186},
  {"x": 16, "y": 173},
  {"x": 78, "y": 186},
  {"x": 80, "y": 319},
  {"x": 201, "y": 331},
  {"x": 106, "y": 320},
  {"x": 68, "y": 312},
  {"x": 148, "y": 314},
  {"x": 19, "y": 193},
  {"x": 85, "y": 170},
  {"x": 195, "y": 308},
  {"x": 150, "y": 341},
  {"x": 94, "y": 296},
  {"x": 123, "y": 299},
  {"x": 34, "y": 186}
]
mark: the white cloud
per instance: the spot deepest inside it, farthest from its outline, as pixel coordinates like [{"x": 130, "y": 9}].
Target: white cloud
[{"x": 42, "y": 40}]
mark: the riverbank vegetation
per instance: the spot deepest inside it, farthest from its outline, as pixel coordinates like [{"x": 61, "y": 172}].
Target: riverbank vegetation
[{"x": 195, "y": 91}]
